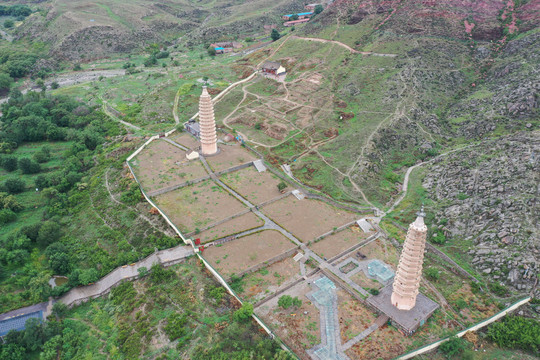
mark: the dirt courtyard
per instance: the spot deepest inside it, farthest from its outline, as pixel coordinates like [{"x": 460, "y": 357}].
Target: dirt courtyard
[
  {"x": 269, "y": 279},
  {"x": 307, "y": 219},
  {"x": 196, "y": 206},
  {"x": 335, "y": 244},
  {"x": 255, "y": 186},
  {"x": 185, "y": 139},
  {"x": 161, "y": 164},
  {"x": 298, "y": 327},
  {"x": 229, "y": 156},
  {"x": 238, "y": 255}
]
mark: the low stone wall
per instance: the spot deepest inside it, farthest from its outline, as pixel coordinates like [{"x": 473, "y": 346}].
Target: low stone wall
[
  {"x": 178, "y": 186},
  {"x": 234, "y": 168},
  {"x": 352, "y": 248},
  {"x": 269, "y": 262},
  {"x": 476, "y": 327},
  {"x": 281, "y": 291}
]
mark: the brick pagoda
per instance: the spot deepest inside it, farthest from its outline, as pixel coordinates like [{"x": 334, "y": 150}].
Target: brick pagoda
[
  {"x": 207, "y": 124},
  {"x": 409, "y": 271}
]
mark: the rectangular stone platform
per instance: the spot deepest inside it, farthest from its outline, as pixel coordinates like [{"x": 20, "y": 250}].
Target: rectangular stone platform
[{"x": 408, "y": 321}]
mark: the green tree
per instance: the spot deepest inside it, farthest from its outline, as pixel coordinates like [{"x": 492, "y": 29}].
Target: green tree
[
  {"x": 243, "y": 314},
  {"x": 77, "y": 67},
  {"x": 211, "y": 51},
  {"x": 14, "y": 185},
  {"x": 275, "y": 35},
  {"x": 9, "y": 163},
  {"x": 282, "y": 186},
  {"x": 51, "y": 349},
  {"x": 6, "y": 216},
  {"x": 150, "y": 61},
  {"x": 318, "y": 9},
  {"x": 293, "y": 18},
  {"x": 29, "y": 166},
  {"x": 55, "y": 85},
  {"x": 5, "y": 82},
  {"x": 39, "y": 288},
  {"x": 49, "y": 232},
  {"x": 12, "y": 352},
  {"x": 88, "y": 276},
  {"x": 60, "y": 263},
  {"x": 60, "y": 309},
  {"x": 10, "y": 202},
  {"x": 8, "y": 24}
]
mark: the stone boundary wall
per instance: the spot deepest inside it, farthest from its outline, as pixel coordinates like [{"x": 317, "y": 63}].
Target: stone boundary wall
[
  {"x": 455, "y": 267},
  {"x": 243, "y": 212},
  {"x": 268, "y": 262},
  {"x": 233, "y": 169},
  {"x": 268, "y": 202},
  {"x": 354, "y": 247},
  {"x": 476, "y": 327},
  {"x": 331, "y": 232},
  {"x": 177, "y": 186},
  {"x": 310, "y": 195}
]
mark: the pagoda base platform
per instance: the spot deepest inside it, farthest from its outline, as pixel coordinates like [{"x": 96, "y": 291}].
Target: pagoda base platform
[{"x": 406, "y": 320}]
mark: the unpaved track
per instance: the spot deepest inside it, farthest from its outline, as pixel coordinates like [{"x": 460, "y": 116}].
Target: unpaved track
[{"x": 342, "y": 45}]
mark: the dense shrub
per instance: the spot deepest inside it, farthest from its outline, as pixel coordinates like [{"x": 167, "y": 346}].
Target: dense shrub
[
  {"x": 516, "y": 332},
  {"x": 244, "y": 313},
  {"x": 29, "y": 166},
  {"x": 286, "y": 301},
  {"x": 14, "y": 185},
  {"x": 453, "y": 347},
  {"x": 9, "y": 163}
]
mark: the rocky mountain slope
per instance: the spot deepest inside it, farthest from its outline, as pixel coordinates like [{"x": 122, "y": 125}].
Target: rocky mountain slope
[
  {"x": 486, "y": 196},
  {"x": 91, "y": 30}
]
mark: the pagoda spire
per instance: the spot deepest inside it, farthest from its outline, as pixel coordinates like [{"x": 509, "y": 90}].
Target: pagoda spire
[
  {"x": 409, "y": 270},
  {"x": 207, "y": 124}
]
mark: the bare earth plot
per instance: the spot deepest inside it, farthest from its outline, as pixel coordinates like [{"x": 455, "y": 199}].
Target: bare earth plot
[
  {"x": 307, "y": 219},
  {"x": 353, "y": 316},
  {"x": 186, "y": 140},
  {"x": 162, "y": 164},
  {"x": 229, "y": 156},
  {"x": 252, "y": 185},
  {"x": 384, "y": 343},
  {"x": 299, "y": 326},
  {"x": 335, "y": 244},
  {"x": 241, "y": 254},
  {"x": 262, "y": 283},
  {"x": 233, "y": 226},
  {"x": 198, "y": 205}
]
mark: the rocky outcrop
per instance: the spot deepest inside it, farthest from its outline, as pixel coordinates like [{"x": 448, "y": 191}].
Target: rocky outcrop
[{"x": 488, "y": 196}]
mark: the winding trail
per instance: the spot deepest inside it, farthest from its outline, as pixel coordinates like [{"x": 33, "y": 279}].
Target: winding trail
[
  {"x": 105, "y": 108},
  {"x": 342, "y": 45}
]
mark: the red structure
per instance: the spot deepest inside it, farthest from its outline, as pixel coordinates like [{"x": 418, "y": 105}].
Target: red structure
[
  {"x": 295, "y": 22},
  {"x": 197, "y": 241}
]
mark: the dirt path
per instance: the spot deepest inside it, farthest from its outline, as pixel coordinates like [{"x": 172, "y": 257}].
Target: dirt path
[
  {"x": 342, "y": 45},
  {"x": 409, "y": 171},
  {"x": 105, "y": 108}
]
